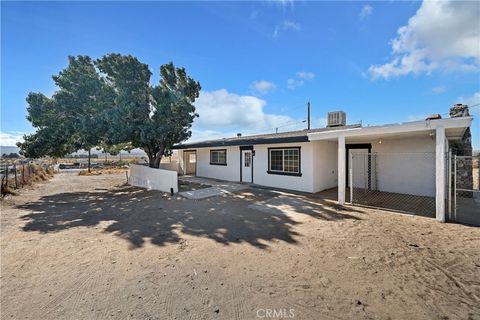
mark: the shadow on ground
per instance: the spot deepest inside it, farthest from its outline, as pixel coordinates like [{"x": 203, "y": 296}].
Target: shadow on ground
[{"x": 136, "y": 215}]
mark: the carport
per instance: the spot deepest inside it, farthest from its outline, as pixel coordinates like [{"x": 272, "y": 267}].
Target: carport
[{"x": 404, "y": 163}]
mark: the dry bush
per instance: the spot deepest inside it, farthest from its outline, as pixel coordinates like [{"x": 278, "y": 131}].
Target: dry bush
[
  {"x": 28, "y": 174},
  {"x": 7, "y": 190},
  {"x": 99, "y": 171}
]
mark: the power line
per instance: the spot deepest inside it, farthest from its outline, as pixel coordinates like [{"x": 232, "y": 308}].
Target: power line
[{"x": 276, "y": 127}]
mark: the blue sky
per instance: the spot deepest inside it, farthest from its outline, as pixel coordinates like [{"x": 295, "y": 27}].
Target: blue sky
[{"x": 259, "y": 62}]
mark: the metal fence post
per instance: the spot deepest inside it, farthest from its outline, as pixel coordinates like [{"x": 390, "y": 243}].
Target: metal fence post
[
  {"x": 449, "y": 172},
  {"x": 455, "y": 187},
  {"x": 350, "y": 178},
  {"x": 6, "y": 175},
  {"x": 365, "y": 173},
  {"x": 15, "y": 174}
]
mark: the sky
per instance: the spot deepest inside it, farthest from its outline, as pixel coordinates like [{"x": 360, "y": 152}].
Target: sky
[{"x": 259, "y": 62}]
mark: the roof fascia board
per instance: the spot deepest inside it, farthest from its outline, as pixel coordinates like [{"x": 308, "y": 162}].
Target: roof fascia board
[
  {"x": 426, "y": 125},
  {"x": 242, "y": 142}
]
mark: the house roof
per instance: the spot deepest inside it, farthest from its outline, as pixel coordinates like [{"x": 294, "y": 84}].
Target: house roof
[
  {"x": 271, "y": 138},
  {"x": 454, "y": 129}
]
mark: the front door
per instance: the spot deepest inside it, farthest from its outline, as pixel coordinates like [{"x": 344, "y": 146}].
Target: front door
[
  {"x": 247, "y": 165},
  {"x": 190, "y": 158}
]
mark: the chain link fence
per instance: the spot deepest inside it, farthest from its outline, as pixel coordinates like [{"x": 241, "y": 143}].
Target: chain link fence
[
  {"x": 465, "y": 189},
  {"x": 403, "y": 182}
]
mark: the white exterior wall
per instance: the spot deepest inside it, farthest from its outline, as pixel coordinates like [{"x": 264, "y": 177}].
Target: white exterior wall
[
  {"x": 230, "y": 172},
  {"x": 410, "y": 173},
  {"x": 325, "y": 155},
  {"x": 181, "y": 162},
  {"x": 302, "y": 183}
]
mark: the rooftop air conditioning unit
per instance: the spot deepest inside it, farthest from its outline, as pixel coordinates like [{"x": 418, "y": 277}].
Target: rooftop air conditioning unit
[{"x": 336, "y": 119}]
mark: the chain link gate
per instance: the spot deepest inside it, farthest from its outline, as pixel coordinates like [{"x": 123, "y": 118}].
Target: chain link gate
[
  {"x": 464, "y": 189},
  {"x": 403, "y": 182}
]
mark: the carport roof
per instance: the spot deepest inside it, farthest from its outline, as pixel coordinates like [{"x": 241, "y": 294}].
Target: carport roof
[
  {"x": 271, "y": 138},
  {"x": 454, "y": 129}
]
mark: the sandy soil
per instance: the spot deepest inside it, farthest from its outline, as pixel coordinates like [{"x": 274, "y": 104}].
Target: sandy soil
[{"x": 88, "y": 248}]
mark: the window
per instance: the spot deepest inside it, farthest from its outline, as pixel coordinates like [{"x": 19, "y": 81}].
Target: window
[
  {"x": 218, "y": 157},
  {"x": 284, "y": 161},
  {"x": 248, "y": 159},
  {"x": 192, "y": 158}
]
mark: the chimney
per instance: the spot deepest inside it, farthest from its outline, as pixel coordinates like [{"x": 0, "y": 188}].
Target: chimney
[
  {"x": 239, "y": 135},
  {"x": 459, "y": 110},
  {"x": 434, "y": 116}
]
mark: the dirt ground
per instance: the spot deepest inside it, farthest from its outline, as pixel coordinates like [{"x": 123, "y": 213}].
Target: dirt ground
[{"x": 86, "y": 247}]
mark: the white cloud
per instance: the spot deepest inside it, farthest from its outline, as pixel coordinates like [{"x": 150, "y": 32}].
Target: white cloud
[
  {"x": 474, "y": 99},
  {"x": 263, "y": 86},
  {"x": 366, "y": 11},
  {"x": 223, "y": 114},
  {"x": 283, "y": 3},
  {"x": 437, "y": 90},
  {"x": 417, "y": 117},
  {"x": 204, "y": 135},
  {"x": 285, "y": 26},
  {"x": 10, "y": 139},
  {"x": 442, "y": 35},
  {"x": 299, "y": 79},
  {"x": 292, "y": 83},
  {"x": 224, "y": 110},
  {"x": 305, "y": 75}
]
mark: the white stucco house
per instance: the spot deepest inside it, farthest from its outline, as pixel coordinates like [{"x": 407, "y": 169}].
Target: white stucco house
[{"x": 318, "y": 159}]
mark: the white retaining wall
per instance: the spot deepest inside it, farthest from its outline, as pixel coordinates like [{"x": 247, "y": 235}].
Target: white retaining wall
[
  {"x": 172, "y": 166},
  {"x": 150, "y": 178}
]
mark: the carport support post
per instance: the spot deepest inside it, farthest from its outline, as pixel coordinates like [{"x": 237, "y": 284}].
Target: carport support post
[
  {"x": 440, "y": 173},
  {"x": 341, "y": 170}
]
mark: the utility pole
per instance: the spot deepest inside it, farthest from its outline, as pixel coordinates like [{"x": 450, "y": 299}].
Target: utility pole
[{"x": 308, "y": 115}]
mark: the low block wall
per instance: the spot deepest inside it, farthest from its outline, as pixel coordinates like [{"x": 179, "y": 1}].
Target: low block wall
[
  {"x": 150, "y": 178},
  {"x": 172, "y": 166}
]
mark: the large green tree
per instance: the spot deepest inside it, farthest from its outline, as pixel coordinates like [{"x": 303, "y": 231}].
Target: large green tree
[
  {"x": 152, "y": 118},
  {"x": 75, "y": 117},
  {"x": 110, "y": 102}
]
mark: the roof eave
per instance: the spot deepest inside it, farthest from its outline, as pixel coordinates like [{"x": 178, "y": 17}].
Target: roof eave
[
  {"x": 461, "y": 122},
  {"x": 241, "y": 142}
]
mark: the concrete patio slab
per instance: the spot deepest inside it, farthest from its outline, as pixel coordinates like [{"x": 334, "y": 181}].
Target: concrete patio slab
[{"x": 217, "y": 188}]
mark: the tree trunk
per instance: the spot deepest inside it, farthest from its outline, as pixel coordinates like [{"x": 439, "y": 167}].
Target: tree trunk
[
  {"x": 154, "y": 157},
  {"x": 158, "y": 158},
  {"x": 89, "y": 161}
]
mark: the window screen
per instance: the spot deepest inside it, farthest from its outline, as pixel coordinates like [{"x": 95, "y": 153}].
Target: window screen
[
  {"x": 285, "y": 160},
  {"x": 276, "y": 160},
  {"x": 218, "y": 157}
]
